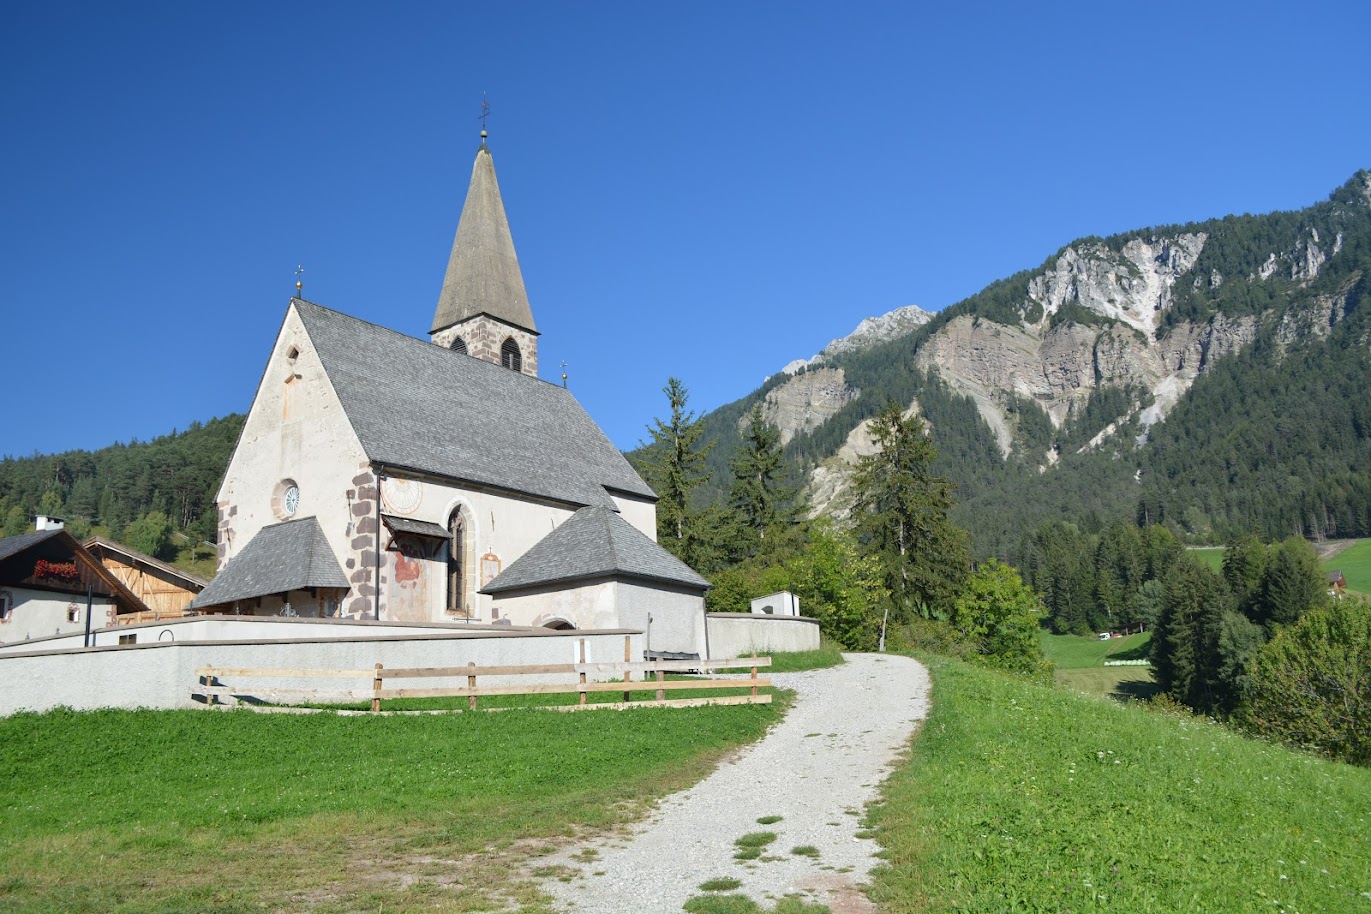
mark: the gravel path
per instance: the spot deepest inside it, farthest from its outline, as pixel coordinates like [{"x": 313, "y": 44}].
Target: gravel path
[{"x": 816, "y": 769}]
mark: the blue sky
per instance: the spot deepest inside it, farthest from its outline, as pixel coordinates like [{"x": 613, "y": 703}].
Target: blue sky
[{"x": 705, "y": 190}]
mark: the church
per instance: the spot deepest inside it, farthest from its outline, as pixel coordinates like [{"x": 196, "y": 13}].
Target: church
[{"x": 380, "y": 476}]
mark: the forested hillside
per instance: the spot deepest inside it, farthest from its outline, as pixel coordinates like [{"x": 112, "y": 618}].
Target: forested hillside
[
  {"x": 1263, "y": 329},
  {"x": 155, "y": 496}
]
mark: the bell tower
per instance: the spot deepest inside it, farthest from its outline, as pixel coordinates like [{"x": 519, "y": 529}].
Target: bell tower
[{"x": 483, "y": 309}]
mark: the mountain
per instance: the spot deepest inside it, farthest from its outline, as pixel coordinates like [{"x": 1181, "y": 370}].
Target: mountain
[{"x": 1211, "y": 375}]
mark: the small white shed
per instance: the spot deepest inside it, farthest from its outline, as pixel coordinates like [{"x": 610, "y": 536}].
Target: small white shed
[{"x": 784, "y": 603}]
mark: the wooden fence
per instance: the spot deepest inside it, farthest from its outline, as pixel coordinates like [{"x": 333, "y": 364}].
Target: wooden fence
[{"x": 583, "y": 680}]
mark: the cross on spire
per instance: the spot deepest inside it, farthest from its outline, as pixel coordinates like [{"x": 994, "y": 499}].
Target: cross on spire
[
  {"x": 485, "y": 113},
  {"x": 299, "y": 283}
]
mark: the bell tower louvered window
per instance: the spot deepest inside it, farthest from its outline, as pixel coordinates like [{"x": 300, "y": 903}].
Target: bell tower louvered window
[
  {"x": 510, "y": 356},
  {"x": 458, "y": 345}
]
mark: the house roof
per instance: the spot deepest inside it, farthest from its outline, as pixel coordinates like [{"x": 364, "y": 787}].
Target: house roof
[
  {"x": 483, "y": 275},
  {"x": 422, "y": 407},
  {"x": 62, "y": 545},
  {"x": 293, "y": 555},
  {"x": 594, "y": 543},
  {"x": 193, "y": 581},
  {"x": 415, "y": 527}
]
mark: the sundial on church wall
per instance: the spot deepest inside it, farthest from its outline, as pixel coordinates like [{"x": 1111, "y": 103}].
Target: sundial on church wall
[{"x": 402, "y": 496}]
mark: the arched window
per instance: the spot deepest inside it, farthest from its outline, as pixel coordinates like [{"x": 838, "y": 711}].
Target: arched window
[
  {"x": 510, "y": 356},
  {"x": 459, "y": 566},
  {"x": 458, "y": 345}
]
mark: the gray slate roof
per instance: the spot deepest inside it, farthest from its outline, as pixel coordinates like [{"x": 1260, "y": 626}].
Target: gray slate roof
[
  {"x": 414, "y": 527},
  {"x": 283, "y": 557},
  {"x": 13, "y": 545},
  {"x": 423, "y": 407},
  {"x": 483, "y": 275},
  {"x": 594, "y": 543}
]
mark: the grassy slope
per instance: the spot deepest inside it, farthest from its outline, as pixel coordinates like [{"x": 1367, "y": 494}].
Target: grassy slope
[
  {"x": 1025, "y": 798},
  {"x": 1355, "y": 564},
  {"x": 159, "y": 811},
  {"x": 1080, "y": 665},
  {"x": 1212, "y": 556}
]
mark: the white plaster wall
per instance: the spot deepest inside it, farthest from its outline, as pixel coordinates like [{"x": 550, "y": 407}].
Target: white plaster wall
[
  {"x": 497, "y": 524},
  {"x": 313, "y": 445},
  {"x": 42, "y": 613},
  {"x": 737, "y": 634},
  {"x": 638, "y": 512},
  {"x": 162, "y": 675},
  {"x": 245, "y": 628},
  {"x": 677, "y": 617}
]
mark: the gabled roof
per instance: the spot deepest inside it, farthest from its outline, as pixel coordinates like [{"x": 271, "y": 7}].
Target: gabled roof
[
  {"x": 283, "y": 557},
  {"x": 594, "y": 543},
  {"x": 62, "y": 545},
  {"x": 422, "y": 407},
  {"x": 97, "y": 544},
  {"x": 483, "y": 275}
]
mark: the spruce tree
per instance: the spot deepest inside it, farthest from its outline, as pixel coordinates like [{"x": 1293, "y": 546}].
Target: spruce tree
[
  {"x": 674, "y": 465},
  {"x": 761, "y": 494},
  {"x": 901, "y": 509}
]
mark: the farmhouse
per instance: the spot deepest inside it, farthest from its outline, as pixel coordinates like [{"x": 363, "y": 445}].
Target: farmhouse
[
  {"x": 50, "y": 585},
  {"x": 384, "y": 477},
  {"x": 164, "y": 590}
]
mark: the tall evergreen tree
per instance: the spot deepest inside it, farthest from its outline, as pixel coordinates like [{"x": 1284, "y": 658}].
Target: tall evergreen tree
[
  {"x": 900, "y": 508},
  {"x": 1291, "y": 584},
  {"x": 761, "y": 493},
  {"x": 674, "y": 465}
]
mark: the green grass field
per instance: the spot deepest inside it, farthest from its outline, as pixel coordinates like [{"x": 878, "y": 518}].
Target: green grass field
[
  {"x": 230, "y": 812},
  {"x": 1023, "y": 798},
  {"x": 1355, "y": 564},
  {"x": 1211, "y": 556},
  {"x": 1080, "y": 665}
]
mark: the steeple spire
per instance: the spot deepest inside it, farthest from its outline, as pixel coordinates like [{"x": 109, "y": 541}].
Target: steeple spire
[{"x": 483, "y": 275}]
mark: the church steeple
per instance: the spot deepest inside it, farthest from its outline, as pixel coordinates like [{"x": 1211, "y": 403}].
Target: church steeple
[{"x": 483, "y": 309}]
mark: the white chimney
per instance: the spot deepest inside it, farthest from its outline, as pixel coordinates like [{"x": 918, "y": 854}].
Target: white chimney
[{"x": 43, "y": 522}]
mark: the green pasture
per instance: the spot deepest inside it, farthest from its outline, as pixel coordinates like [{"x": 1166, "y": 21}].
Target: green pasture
[
  {"x": 1080, "y": 665},
  {"x": 225, "y": 812},
  {"x": 1355, "y": 564},
  {"x": 1212, "y": 556},
  {"x": 1024, "y": 798}
]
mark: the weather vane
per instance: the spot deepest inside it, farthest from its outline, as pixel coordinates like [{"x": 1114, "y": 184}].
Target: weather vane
[
  {"x": 564, "y": 373},
  {"x": 485, "y": 113},
  {"x": 299, "y": 283}
]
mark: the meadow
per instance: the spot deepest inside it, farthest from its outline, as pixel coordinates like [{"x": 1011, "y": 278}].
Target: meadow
[
  {"x": 1024, "y": 798},
  {"x": 1355, "y": 564},
  {"x": 230, "y": 812},
  {"x": 1080, "y": 665}
]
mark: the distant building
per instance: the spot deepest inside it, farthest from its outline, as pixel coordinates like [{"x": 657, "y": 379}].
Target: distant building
[
  {"x": 1337, "y": 584},
  {"x": 164, "y": 590},
  {"x": 381, "y": 476},
  {"x": 49, "y": 584}
]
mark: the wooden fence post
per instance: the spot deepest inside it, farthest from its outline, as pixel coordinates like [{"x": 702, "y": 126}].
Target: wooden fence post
[
  {"x": 471, "y": 684},
  {"x": 582, "y": 677},
  {"x": 376, "y": 691},
  {"x": 661, "y": 677},
  {"x": 754, "y": 676}
]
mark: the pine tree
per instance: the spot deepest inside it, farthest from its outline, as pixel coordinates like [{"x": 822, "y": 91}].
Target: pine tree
[
  {"x": 901, "y": 509},
  {"x": 674, "y": 465},
  {"x": 1291, "y": 584},
  {"x": 761, "y": 494}
]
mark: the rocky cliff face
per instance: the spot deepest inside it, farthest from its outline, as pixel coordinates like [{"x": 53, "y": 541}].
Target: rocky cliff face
[{"x": 1103, "y": 315}]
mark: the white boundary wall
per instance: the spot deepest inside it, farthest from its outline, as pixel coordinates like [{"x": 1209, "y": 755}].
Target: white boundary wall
[
  {"x": 739, "y": 634},
  {"x": 161, "y": 674}
]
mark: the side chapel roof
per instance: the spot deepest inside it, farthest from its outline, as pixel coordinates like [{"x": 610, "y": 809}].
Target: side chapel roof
[
  {"x": 483, "y": 275},
  {"x": 293, "y": 555},
  {"x": 422, "y": 407},
  {"x": 594, "y": 543}
]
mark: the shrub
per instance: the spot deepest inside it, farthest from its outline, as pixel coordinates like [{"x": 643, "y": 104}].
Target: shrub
[{"x": 1310, "y": 685}]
